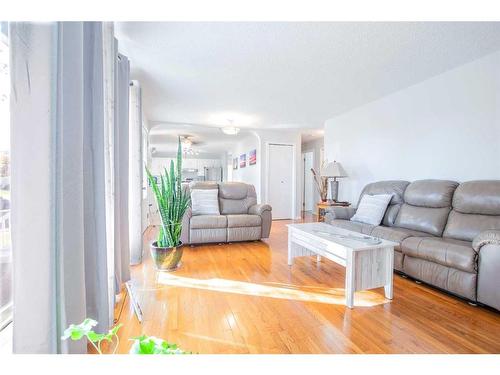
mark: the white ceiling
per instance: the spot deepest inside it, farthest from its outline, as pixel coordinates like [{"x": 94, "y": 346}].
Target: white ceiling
[
  {"x": 210, "y": 142},
  {"x": 288, "y": 74}
]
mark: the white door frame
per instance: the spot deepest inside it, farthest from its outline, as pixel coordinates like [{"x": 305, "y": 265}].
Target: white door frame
[
  {"x": 294, "y": 174},
  {"x": 303, "y": 164}
]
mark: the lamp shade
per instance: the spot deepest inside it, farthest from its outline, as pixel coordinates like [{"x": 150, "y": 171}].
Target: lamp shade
[{"x": 333, "y": 169}]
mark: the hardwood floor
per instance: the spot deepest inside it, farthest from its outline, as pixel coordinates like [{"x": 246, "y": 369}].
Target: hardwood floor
[{"x": 243, "y": 298}]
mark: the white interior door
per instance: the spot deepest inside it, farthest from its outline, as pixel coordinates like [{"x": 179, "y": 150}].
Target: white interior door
[
  {"x": 281, "y": 180},
  {"x": 308, "y": 188}
]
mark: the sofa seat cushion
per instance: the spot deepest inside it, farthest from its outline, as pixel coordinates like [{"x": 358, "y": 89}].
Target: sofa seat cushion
[
  {"x": 239, "y": 221},
  {"x": 352, "y": 225},
  {"x": 395, "y": 234},
  {"x": 445, "y": 251},
  {"x": 208, "y": 222}
]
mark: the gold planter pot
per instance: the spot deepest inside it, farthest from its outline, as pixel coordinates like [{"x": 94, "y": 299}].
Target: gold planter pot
[{"x": 166, "y": 258}]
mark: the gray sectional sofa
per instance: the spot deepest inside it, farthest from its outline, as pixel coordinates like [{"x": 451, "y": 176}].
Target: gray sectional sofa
[
  {"x": 448, "y": 233},
  {"x": 240, "y": 219}
]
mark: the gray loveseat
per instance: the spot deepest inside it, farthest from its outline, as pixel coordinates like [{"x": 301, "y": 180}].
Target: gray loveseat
[
  {"x": 448, "y": 233},
  {"x": 240, "y": 219}
]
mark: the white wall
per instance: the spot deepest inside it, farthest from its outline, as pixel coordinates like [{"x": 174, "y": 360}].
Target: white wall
[
  {"x": 257, "y": 174},
  {"x": 251, "y": 173},
  {"x": 315, "y": 146},
  {"x": 447, "y": 127}
]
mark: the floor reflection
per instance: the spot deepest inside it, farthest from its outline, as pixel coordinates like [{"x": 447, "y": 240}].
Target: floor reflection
[{"x": 333, "y": 296}]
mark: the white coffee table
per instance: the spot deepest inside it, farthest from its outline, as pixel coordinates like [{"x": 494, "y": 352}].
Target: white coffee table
[{"x": 368, "y": 264}]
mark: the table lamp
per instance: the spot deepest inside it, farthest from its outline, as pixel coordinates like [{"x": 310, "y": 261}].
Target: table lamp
[{"x": 334, "y": 170}]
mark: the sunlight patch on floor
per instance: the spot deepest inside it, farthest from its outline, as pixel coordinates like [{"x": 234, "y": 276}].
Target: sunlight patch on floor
[{"x": 333, "y": 296}]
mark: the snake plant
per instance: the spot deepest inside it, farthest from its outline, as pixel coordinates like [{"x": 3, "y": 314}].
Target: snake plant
[{"x": 172, "y": 201}]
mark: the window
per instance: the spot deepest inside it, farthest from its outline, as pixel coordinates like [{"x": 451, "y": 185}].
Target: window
[{"x": 5, "y": 244}]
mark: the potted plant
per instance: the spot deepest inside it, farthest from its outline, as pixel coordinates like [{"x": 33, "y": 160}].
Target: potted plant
[
  {"x": 321, "y": 183},
  {"x": 172, "y": 201}
]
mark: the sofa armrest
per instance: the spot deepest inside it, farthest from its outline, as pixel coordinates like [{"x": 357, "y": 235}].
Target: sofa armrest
[
  {"x": 487, "y": 245},
  {"x": 344, "y": 213},
  {"x": 258, "y": 209},
  {"x": 488, "y": 237},
  {"x": 186, "y": 221},
  {"x": 265, "y": 213}
]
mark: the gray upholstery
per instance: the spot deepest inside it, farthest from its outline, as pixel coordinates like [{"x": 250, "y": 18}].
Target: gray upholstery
[
  {"x": 423, "y": 219},
  {"x": 265, "y": 212},
  {"x": 395, "y": 234},
  {"x": 208, "y": 221},
  {"x": 236, "y": 197},
  {"x": 208, "y": 235},
  {"x": 476, "y": 208},
  {"x": 258, "y": 209},
  {"x": 448, "y": 233},
  {"x": 185, "y": 226},
  {"x": 467, "y": 226},
  {"x": 352, "y": 225},
  {"x": 488, "y": 237},
  {"x": 241, "y": 219},
  {"x": 344, "y": 213},
  {"x": 445, "y": 251},
  {"x": 488, "y": 284},
  {"x": 267, "y": 220},
  {"x": 391, "y": 214},
  {"x": 430, "y": 193},
  {"x": 487, "y": 244},
  {"x": 427, "y": 204},
  {"x": 478, "y": 197},
  {"x": 396, "y": 188},
  {"x": 450, "y": 279},
  {"x": 243, "y": 234},
  {"x": 236, "y": 190},
  {"x": 398, "y": 260}
]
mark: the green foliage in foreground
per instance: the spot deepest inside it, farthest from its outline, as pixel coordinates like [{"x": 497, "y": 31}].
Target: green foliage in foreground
[
  {"x": 142, "y": 345},
  {"x": 172, "y": 201},
  {"x": 153, "y": 345},
  {"x": 78, "y": 331}
]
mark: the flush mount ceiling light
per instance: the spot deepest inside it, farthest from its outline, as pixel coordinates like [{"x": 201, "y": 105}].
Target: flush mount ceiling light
[{"x": 230, "y": 130}]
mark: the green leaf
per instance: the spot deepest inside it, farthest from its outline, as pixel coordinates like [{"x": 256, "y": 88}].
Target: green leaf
[
  {"x": 172, "y": 201},
  {"x": 114, "y": 330},
  {"x": 77, "y": 331},
  {"x": 153, "y": 345}
]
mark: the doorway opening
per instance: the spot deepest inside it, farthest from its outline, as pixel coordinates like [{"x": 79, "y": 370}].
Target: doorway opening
[{"x": 307, "y": 182}]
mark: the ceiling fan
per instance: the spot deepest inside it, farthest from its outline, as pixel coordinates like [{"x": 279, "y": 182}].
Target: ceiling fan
[{"x": 187, "y": 145}]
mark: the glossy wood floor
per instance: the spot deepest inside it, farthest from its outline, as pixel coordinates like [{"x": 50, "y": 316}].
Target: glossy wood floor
[{"x": 244, "y": 298}]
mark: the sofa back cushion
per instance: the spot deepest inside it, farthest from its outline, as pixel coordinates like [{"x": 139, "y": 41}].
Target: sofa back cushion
[
  {"x": 476, "y": 208},
  {"x": 236, "y": 197},
  {"x": 207, "y": 185},
  {"x": 478, "y": 197},
  {"x": 426, "y": 206},
  {"x": 396, "y": 188}
]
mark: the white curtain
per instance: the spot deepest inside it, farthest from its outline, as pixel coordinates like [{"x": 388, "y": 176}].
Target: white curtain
[
  {"x": 68, "y": 251},
  {"x": 136, "y": 167},
  {"x": 122, "y": 247}
]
